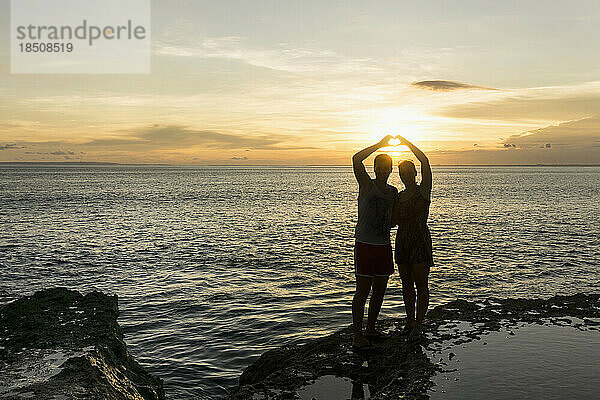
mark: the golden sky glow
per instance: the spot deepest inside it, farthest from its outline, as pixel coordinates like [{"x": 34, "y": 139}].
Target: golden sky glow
[{"x": 305, "y": 82}]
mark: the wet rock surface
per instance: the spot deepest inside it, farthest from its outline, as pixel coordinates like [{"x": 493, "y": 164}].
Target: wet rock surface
[
  {"x": 398, "y": 368},
  {"x": 60, "y": 344}
]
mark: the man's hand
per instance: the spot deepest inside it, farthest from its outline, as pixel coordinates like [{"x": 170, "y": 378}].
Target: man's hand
[{"x": 357, "y": 160}]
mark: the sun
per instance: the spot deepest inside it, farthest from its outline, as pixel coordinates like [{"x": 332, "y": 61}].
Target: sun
[
  {"x": 397, "y": 151},
  {"x": 407, "y": 121},
  {"x": 397, "y": 155},
  {"x": 404, "y": 121}
]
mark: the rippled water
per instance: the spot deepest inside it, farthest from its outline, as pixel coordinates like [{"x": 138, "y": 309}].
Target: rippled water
[{"x": 214, "y": 265}]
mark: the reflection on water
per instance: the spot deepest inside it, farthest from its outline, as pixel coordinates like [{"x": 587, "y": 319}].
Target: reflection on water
[
  {"x": 533, "y": 362},
  {"x": 331, "y": 387},
  {"x": 213, "y": 266}
]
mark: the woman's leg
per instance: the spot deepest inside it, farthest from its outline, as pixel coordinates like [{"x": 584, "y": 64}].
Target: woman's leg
[
  {"x": 363, "y": 287},
  {"x": 408, "y": 293},
  {"x": 421, "y": 275},
  {"x": 379, "y": 286}
]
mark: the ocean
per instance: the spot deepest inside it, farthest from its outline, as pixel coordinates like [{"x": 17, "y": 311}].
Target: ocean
[{"x": 215, "y": 265}]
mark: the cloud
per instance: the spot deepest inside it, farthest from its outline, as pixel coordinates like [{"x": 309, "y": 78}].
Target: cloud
[
  {"x": 282, "y": 57},
  {"x": 239, "y": 158},
  {"x": 582, "y": 134},
  {"x": 547, "y": 104},
  {"x": 523, "y": 108},
  {"x": 507, "y": 156},
  {"x": 447, "y": 86},
  {"x": 9, "y": 146},
  {"x": 177, "y": 137},
  {"x": 308, "y": 58}
]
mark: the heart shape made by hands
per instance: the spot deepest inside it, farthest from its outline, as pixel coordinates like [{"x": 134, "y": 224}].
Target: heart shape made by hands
[{"x": 394, "y": 142}]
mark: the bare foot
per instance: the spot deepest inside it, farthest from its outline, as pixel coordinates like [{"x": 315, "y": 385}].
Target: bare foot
[
  {"x": 408, "y": 328},
  {"x": 375, "y": 334},
  {"x": 416, "y": 333}
]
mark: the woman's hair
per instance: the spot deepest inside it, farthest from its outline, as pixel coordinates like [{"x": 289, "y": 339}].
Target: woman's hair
[{"x": 407, "y": 164}]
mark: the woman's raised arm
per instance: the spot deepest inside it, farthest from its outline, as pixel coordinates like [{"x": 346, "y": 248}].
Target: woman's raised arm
[{"x": 426, "y": 180}]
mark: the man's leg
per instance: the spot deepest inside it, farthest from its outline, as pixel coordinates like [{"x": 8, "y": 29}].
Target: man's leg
[
  {"x": 421, "y": 274},
  {"x": 363, "y": 286},
  {"x": 379, "y": 286},
  {"x": 408, "y": 294}
]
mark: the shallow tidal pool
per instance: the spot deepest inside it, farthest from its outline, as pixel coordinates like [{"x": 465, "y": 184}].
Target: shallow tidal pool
[{"x": 530, "y": 361}]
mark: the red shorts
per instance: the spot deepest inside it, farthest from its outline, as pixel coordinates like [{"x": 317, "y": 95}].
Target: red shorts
[{"x": 373, "y": 260}]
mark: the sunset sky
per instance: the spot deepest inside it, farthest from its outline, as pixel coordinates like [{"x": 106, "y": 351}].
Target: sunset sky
[{"x": 311, "y": 82}]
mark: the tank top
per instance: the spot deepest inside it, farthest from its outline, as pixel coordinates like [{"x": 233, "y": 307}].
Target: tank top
[
  {"x": 413, "y": 213},
  {"x": 375, "y": 215}
]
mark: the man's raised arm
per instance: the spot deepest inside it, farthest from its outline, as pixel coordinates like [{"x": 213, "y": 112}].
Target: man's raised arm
[{"x": 357, "y": 160}]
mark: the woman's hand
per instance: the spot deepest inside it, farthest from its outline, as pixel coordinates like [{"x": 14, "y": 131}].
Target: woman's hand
[{"x": 402, "y": 140}]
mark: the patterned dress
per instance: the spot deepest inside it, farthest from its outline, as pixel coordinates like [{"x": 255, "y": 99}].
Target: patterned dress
[{"x": 413, "y": 240}]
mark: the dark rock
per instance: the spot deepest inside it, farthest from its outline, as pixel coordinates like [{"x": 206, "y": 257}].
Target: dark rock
[
  {"x": 58, "y": 343},
  {"x": 397, "y": 368}
]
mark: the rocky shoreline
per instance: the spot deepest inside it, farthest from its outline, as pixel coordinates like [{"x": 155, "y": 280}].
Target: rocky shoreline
[
  {"x": 397, "y": 368},
  {"x": 60, "y": 344}
]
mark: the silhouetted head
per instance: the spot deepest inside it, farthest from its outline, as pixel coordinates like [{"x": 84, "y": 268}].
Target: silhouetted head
[
  {"x": 408, "y": 172},
  {"x": 382, "y": 166}
]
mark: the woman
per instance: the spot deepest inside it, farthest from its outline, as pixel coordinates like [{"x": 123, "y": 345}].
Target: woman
[{"x": 413, "y": 250}]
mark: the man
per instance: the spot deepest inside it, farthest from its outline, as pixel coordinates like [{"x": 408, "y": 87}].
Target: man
[{"x": 373, "y": 261}]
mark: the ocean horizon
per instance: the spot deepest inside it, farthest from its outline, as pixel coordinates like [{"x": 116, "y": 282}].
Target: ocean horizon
[{"x": 99, "y": 163}]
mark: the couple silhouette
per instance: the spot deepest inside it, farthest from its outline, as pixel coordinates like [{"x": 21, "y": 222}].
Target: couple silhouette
[{"x": 380, "y": 208}]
